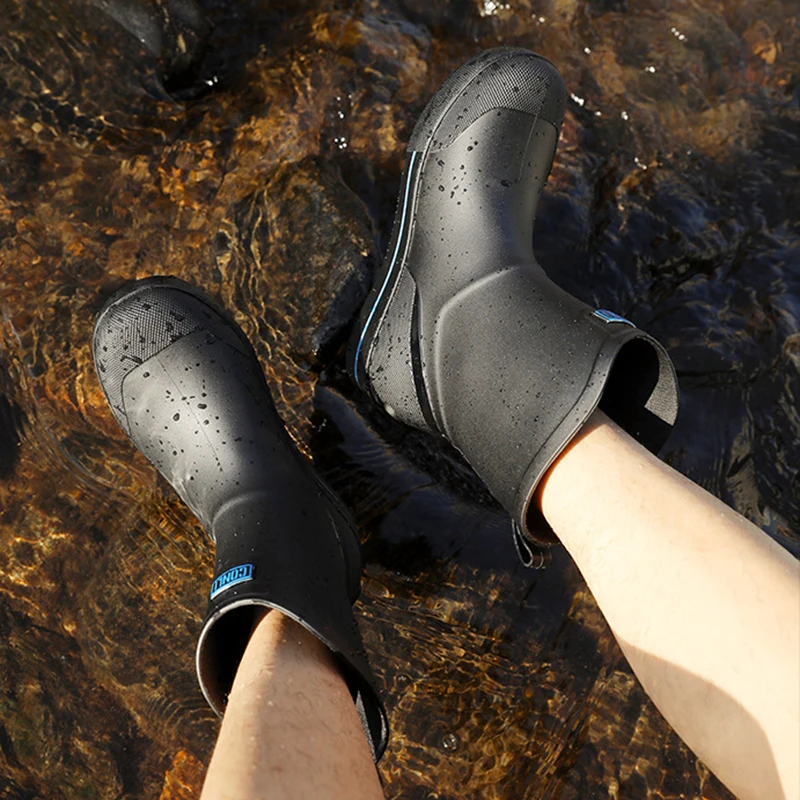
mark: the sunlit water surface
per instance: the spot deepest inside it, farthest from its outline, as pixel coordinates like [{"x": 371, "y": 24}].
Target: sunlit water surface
[{"x": 259, "y": 156}]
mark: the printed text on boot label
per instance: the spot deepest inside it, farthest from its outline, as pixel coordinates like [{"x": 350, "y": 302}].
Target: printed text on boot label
[{"x": 231, "y": 577}]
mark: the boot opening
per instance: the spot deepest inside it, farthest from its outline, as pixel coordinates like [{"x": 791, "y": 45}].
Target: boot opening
[
  {"x": 222, "y": 652},
  {"x": 640, "y": 393},
  {"x": 641, "y": 396}
]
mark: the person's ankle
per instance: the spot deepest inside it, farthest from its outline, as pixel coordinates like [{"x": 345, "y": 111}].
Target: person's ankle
[
  {"x": 276, "y": 638},
  {"x": 596, "y": 419},
  {"x": 599, "y": 459}
]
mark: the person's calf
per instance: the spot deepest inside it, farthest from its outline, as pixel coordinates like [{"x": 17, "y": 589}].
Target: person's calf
[{"x": 291, "y": 731}]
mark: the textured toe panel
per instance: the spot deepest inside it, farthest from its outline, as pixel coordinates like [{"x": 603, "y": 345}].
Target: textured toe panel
[
  {"x": 141, "y": 321},
  {"x": 505, "y": 78}
]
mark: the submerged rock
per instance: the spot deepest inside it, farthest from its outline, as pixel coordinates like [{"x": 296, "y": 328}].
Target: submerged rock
[{"x": 295, "y": 259}]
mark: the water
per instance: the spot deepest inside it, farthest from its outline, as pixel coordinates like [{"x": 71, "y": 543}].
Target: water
[{"x": 267, "y": 171}]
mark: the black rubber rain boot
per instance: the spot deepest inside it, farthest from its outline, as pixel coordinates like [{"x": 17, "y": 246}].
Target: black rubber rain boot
[
  {"x": 186, "y": 386},
  {"x": 463, "y": 334}
]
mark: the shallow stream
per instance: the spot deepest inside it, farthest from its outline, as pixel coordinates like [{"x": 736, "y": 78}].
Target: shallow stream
[{"x": 255, "y": 149}]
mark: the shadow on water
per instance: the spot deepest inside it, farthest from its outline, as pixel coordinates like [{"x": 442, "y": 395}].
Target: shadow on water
[{"x": 255, "y": 148}]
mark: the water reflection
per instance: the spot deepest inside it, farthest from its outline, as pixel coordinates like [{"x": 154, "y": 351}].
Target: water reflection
[{"x": 267, "y": 171}]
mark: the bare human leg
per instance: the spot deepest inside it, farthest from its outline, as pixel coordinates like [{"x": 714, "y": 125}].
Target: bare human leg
[
  {"x": 291, "y": 730},
  {"x": 705, "y": 606}
]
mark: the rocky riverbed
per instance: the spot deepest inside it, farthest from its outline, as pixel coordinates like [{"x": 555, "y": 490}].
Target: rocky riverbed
[{"x": 255, "y": 148}]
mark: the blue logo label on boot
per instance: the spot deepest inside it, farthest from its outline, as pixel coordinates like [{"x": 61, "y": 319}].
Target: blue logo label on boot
[
  {"x": 610, "y": 316},
  {"x": 231, "y": 577}
]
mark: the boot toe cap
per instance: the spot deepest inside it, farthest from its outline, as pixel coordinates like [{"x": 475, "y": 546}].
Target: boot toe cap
[
  {"x": 141, "y": 320},
  {"x": 502, "y": 78}
]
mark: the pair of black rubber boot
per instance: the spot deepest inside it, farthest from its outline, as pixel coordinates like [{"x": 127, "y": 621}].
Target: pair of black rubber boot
[{"x": 463, "y": 335}]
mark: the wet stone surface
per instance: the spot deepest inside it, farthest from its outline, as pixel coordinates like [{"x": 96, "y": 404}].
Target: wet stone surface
[{"x": 255, "y": 149}]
